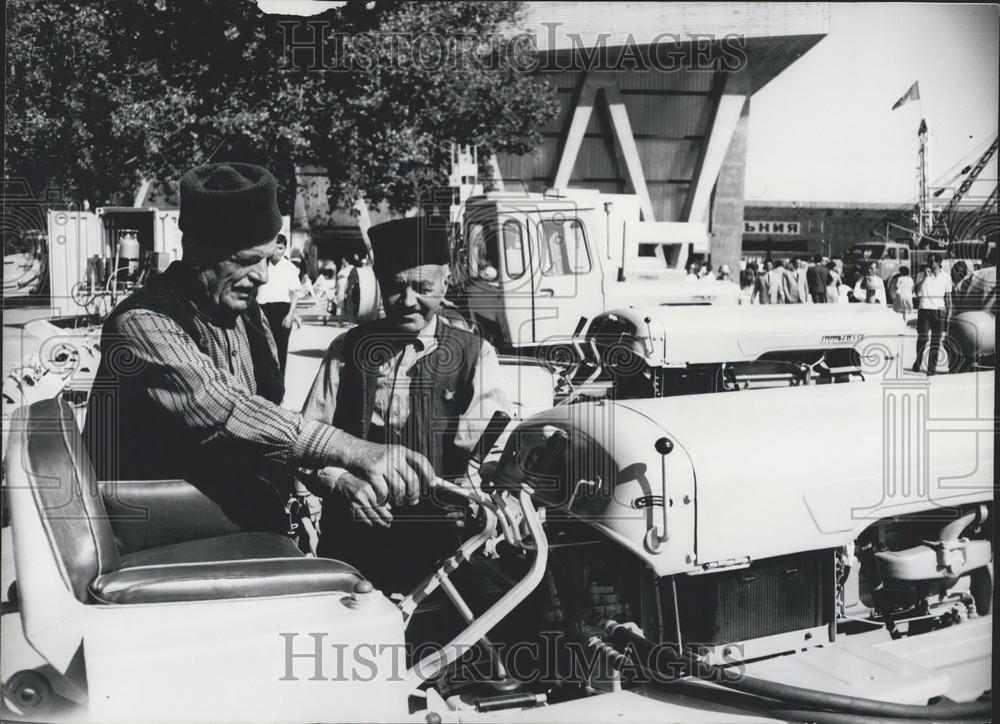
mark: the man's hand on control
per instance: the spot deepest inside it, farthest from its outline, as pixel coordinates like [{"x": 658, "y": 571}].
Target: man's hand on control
[
  {"x": 394, "y": 471},
  {"x": 364, "y": 498}
]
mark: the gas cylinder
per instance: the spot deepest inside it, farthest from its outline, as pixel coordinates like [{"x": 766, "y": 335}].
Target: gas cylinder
[{"x": 128, "y": 255}]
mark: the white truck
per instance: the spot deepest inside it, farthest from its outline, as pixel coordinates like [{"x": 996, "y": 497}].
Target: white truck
[{"x": 528, "y": 266}]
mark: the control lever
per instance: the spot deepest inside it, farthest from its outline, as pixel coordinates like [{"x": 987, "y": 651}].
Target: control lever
[
  {"x": 526, "y": 472},
  {"x": 494, "y": 429},
  {"x": 577, "y": 346},
  {"x": 657, "y": 536},
  {"x": 554, "y": 446}
]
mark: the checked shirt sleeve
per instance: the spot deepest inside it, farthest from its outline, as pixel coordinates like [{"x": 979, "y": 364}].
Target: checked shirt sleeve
[{"x": 211, "y": 402}]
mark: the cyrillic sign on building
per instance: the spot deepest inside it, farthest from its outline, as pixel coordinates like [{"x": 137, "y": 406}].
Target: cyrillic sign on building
[{"x": 772, "y": 227}]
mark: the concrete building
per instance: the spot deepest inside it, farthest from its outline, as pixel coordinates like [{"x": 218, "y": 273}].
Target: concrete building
[
  {"x": 672, "y": 125},
  {"x": 789, "y": 228},
  {"x": 654, "y": 100}
]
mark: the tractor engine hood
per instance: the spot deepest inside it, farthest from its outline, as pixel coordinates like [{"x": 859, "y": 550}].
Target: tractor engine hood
[
  {"x": 675, "y": 336},
  {"x": 684, "y": 484}
]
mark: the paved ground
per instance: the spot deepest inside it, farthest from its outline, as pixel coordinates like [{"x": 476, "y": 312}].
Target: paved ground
[
  {"x": 307, "y": 346},
  {"x": 306, "y": 349}
]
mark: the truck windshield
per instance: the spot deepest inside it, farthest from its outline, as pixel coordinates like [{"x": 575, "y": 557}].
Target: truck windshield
[
  {"x": 867, "y": 252},
  {"x": 563, "y": 248}
]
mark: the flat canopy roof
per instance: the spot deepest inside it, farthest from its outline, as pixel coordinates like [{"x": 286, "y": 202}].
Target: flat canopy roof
[
  {"x": 645, "y": 22},
  {"x": 774, "y": 35}
]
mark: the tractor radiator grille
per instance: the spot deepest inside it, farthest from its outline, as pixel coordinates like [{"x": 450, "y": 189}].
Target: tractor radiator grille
[{"x": 772, "y": 596}]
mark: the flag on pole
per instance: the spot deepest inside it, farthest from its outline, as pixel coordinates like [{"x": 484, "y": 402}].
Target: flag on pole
[{"x": 913, "y": 94}]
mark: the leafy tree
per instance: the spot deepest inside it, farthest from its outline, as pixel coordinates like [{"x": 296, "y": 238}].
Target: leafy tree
[
  {"x": 431, "y": 73},
  {"x": 105, "y": 93},
  {"x": 65, "y": 90}
]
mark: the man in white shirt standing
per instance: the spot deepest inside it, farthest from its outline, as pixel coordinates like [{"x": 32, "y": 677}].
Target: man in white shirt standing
[
  {"x": 933, "y": 290},
  {"x": 277, "y": 298}
]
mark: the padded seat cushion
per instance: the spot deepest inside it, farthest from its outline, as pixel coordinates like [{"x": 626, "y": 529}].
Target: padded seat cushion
[
  {"x": 212, "y": 580},
  {"x": 238, "y": 546}
]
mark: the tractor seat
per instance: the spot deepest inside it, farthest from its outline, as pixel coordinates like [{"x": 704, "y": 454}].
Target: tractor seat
[{"x": 157, "y": 541}]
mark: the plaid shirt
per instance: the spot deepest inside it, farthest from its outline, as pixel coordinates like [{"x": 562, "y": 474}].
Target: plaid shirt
[{"x": 213, "y": 392}]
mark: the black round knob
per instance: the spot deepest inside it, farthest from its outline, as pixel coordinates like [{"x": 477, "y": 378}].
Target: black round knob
[
  {"x": 664, "y": 446},
  {"x": 30, "y": 690}
]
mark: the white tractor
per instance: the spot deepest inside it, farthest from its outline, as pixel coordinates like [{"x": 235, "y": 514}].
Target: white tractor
[{"x": 705, "y": 558}]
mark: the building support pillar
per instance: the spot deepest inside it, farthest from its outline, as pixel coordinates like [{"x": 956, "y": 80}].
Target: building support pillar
[{"x": 729, "y": 201}]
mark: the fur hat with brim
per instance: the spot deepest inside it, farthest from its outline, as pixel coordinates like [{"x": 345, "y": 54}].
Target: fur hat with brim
[
  {"x": 231, "y": 206},
  {"x": 407, "y": 243}
]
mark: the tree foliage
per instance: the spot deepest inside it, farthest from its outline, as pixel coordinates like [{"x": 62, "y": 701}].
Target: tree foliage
[{"x": 105, "y": 93}]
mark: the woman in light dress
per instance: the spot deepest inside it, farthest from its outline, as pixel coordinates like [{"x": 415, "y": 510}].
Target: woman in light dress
[
  {"x": 902, "y": 300},
  {"x": 836, "y": 291}
]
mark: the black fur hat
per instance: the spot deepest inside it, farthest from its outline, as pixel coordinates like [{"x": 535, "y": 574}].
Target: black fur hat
[{"x": 232, "y": 204}]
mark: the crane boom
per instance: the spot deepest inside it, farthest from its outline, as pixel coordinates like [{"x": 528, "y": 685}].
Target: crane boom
[
  {"x": 963, "y": 189},
  {"x": 990, "y": 202}
]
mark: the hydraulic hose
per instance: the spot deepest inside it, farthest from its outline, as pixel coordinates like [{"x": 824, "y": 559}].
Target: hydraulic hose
[
  {"x": 793, "y": 698},
  {"x": 831, "y": 717}
]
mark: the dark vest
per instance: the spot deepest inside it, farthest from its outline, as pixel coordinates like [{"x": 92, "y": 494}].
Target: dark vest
[
  {"x": 440, "y": 390},
  {"x": 129, "y": 437}
]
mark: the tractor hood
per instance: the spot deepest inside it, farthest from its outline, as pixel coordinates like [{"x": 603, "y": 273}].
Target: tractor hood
[
  {"x": 843, "y": 463},
  {"x": 675, "y": 336}
]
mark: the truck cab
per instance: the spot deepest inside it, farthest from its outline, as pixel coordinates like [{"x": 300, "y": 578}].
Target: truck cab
[
  {"x": 887, "y": 256},
  {"x": 891, "y": 256},
  {"x": 529, "y": 266}
]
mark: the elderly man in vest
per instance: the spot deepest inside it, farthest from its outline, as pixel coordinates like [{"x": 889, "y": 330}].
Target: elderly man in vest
[
  {"x": 413, "y": 378},
  {"x": 189, "y": 383}
]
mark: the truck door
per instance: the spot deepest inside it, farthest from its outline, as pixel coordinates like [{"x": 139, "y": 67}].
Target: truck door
[
  {"x": 567, "y": 277},
  {"x": 517, "y": 300},
  {"x": 74, "y": 237}
]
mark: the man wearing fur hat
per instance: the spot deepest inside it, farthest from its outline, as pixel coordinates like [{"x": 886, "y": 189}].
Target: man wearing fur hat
[
  {"x": 416, "y": 379},
  {"x": 189, "y": 383}
]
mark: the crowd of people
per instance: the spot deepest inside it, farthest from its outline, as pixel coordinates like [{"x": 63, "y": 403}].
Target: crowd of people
[
  {"x": 821, "y": 280},
  {"x": 325, "y": 291},
  {"x": 795, "y": 281},
  {"x": 798, "y": 280}
]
